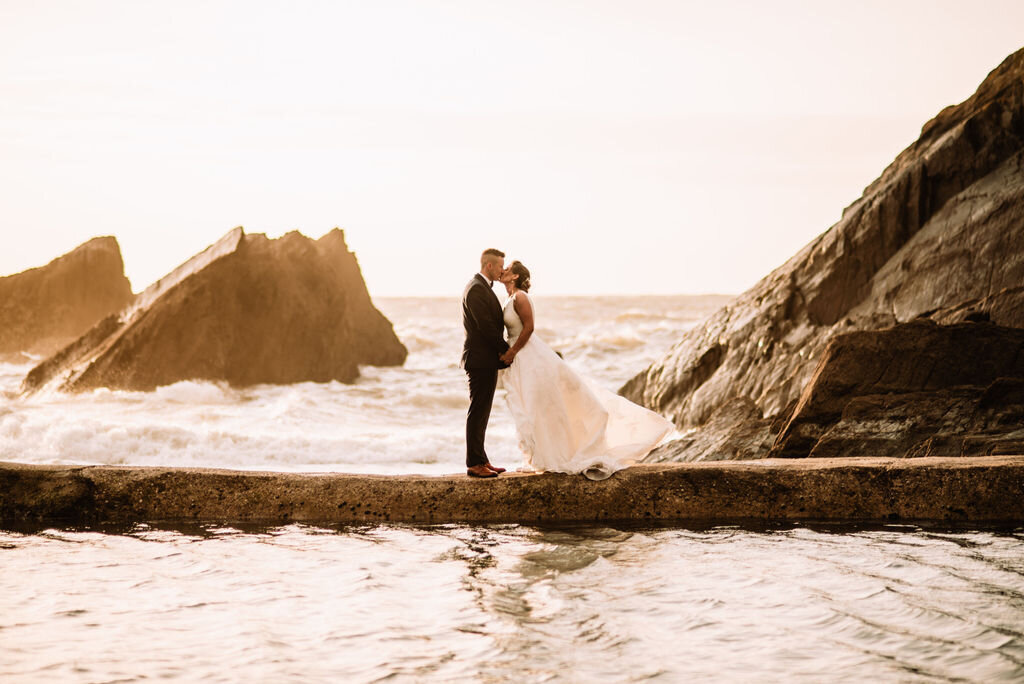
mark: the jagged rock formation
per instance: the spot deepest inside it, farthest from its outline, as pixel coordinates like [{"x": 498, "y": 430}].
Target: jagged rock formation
[
  {"x": 914, "y": 389},
  {"x": 247, "y": 310},
  {"x": 734, "y": 432},
  {"x": 45, "y": 308},
  {"x": 940, "y": 234}
]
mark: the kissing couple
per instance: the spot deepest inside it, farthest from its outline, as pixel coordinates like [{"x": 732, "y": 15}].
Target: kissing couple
[{"x": 565, "y": 422}]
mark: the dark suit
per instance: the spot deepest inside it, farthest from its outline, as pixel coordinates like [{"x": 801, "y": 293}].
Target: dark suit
[{"x": 481, "y": 352}]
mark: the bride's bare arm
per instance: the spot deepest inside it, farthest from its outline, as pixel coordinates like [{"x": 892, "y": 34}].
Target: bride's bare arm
[{"x": 525, "y": 310}]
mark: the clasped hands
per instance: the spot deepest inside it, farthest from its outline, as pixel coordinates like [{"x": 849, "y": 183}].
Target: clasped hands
[{"x": 507, "y": 357}]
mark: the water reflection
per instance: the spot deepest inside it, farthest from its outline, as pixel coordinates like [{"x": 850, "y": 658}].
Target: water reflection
[{"x": 511, "y": 603}]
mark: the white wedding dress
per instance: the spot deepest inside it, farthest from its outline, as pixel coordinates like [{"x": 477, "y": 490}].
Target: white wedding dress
[{"x": 567, "y": 423}]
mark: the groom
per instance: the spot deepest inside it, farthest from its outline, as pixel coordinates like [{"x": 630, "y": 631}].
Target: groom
[{"x": 481, "y": 352}]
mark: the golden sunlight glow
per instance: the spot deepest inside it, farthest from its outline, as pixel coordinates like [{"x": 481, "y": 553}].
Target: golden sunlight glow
[{"x": 628, "y": 147}]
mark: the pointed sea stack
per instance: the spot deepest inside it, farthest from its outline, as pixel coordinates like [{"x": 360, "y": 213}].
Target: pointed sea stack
[
  {"x": 247, "y": 310},
  {"x": 45, "y": 308},
  {"x": 939, "y": 235}
]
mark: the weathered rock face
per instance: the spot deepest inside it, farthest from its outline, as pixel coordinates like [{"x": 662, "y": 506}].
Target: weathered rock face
[
  {"x": 45, "y": 308},
  {"x": 915, "y": 389},
  {"x": 736, "y": 431},
  {"x": 939, "y": 234},
  {"x": 247, "y": 310}
]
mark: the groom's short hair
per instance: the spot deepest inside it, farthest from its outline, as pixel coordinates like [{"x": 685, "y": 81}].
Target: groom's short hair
[{"x": 490, "y": 255}]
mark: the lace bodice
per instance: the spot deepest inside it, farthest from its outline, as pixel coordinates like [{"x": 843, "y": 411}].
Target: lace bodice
[{"x": 513, "y": 323}]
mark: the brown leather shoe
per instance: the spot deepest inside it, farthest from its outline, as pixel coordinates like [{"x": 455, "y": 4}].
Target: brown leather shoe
[
  {"x": 495, "y": 468},
  {"x": 480, "y": 471}
]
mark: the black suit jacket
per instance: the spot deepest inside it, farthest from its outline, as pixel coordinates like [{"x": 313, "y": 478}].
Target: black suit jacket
[{"x": 485, "y": 327}]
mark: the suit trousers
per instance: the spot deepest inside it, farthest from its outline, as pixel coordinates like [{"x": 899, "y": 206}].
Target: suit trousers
[{"x": 482, "y": 383}]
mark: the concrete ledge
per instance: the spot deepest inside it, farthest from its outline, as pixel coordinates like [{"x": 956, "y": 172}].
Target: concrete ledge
[{"x": 988, "y": 489}]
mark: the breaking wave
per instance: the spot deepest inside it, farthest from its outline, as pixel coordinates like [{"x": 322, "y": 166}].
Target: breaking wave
[{"x": 392, "y": 420}]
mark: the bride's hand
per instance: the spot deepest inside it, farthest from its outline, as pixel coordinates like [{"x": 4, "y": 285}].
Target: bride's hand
[{"x": 507, "y": 357}]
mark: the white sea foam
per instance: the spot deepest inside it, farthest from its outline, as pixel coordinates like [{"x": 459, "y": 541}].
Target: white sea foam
[{"x": 392, "y": 420}]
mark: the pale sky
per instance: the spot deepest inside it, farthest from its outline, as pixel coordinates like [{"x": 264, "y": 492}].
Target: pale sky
[{"x": 614, "y": 147}]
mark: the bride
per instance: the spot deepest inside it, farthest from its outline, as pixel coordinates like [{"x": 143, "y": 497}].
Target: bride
[{"x": 566, "y": 422}]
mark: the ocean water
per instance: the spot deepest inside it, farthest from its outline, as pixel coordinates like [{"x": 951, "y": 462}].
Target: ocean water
[
  {"x": 221, "y": 602},
  {"x": 511, "y": 604},
  {"x": 393, "y": 420}
]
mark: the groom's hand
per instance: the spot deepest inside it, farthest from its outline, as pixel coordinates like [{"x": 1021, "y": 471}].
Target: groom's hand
[{"x": 507, "y": 358}]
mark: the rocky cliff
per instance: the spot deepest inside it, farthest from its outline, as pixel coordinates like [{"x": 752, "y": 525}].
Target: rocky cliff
[
  {"x": 45, "y": 308},
  {"x": 247, "y": 310},
  {"x": 916, "y": 389},
  {"x": 940, "y": 235}
]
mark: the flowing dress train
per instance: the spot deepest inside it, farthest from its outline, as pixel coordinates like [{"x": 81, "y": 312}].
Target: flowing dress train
[{"x": 565, "y": 421}]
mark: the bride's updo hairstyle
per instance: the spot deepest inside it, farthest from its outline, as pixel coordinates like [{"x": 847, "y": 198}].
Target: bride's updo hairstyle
[{"x": 522, "y": 275}]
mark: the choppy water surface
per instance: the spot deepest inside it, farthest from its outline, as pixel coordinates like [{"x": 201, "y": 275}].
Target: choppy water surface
[
  {"x": 488, "y": 604},
  {"x": 393, "y": 420},
  {"x": 512, "y": 604}
]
